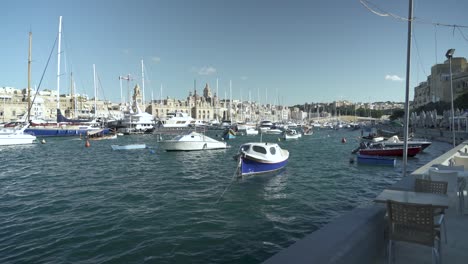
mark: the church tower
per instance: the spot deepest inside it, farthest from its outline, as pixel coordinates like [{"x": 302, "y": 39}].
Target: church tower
[{"x": 137, "y": 98}]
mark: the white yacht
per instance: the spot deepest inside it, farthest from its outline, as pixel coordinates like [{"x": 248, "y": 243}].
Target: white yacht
[
  {"x": 192, "y": 141},
  {"x": 180, "y": 119},
  {"x": 13, "y": 136}
]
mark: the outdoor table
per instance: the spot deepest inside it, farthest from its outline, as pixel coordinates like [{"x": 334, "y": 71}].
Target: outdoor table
[{"x": 436, "y": 200}]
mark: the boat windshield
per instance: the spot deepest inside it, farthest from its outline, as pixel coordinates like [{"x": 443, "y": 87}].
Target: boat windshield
[
  {"x": 259, "y": 149},
  {"x": 245, "y": 147}
]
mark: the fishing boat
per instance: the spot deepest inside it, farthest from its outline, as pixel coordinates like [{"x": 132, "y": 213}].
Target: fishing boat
[
  {"x": 375, "y": 160},
  {"x": 192, "y": 141},
  {"x": 13, "y": 136},
  {"x": 261, "y": 157},
  {"x": 128, "y": 147},
  {"x": 291, "y": 134},
  {"x": 390, "y": 151}
]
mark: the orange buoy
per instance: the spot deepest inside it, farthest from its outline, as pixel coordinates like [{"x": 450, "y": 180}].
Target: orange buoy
[
  {"x": 343, "y": 140},
  {"x": 87, "y": 144}
]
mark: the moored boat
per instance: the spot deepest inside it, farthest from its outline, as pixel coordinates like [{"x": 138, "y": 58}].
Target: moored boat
[
  {"x": 386, "y": 151},
  {"x": 291, "y": 134},
  {"x": 128, "y": 147},
  {"x": 192, "y": 141},
  {"x": 394, "y": 141},
  {"x": 376, "y": 160},
  {"x": 13, "y": 136},
  {"x": 260, "y": 157}
]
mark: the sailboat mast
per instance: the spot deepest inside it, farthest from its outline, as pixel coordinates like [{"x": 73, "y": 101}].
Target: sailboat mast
[
  {"x": 230, "y": 100},
  {"x": 59, "y": 52},
  {"x": 29, "y": 78},
  {"x": 143, "y": 83},
  {"x": 71, "y": 91},
  {"x": 95, "y": 93},
  {"x": 408, "y": 71}
]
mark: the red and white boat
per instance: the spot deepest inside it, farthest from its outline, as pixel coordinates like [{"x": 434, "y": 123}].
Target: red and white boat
[{"x": 412, "y": 151}]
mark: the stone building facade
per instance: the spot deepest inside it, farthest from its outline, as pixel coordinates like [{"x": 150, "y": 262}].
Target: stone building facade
[{"x": 437, "y": 86}]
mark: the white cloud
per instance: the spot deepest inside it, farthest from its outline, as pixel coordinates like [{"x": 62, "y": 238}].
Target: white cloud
[
  {"x": 155, "y": 59},
  {"x": 243, "y": 78},
  {"x": 394, "y": 78},
  {"x": 206, "y": 70}
]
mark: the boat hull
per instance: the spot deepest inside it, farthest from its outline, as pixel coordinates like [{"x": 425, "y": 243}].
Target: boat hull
[
  {"x": 170, "y": 145},
  {"x": 59, "y": 132},
  {"x": 376, "y": 160},
  {"x": 253, "y": 166},
  {"x": 128, "y": 147},
  {"x": 394, "y": 152},
  {"x": 6, "y": 140}
]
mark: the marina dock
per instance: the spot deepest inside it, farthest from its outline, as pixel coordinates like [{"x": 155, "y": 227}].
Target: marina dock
[{"x": 359, "y": 236}]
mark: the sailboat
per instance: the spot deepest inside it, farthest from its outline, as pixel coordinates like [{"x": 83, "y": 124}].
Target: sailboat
[
  {"x": 63, "y": 126},
  {"x": 16, "y": 136}
]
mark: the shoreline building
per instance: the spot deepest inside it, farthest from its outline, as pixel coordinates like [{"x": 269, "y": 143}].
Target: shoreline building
[{"x": 437, "y": 86}]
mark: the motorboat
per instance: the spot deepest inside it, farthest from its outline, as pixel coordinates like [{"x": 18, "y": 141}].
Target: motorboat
[
  {"x": 394, "y": 141},
  {"x": 128, "y": 147},
  {"x": 291, "y": 134},
  {"x": 100, "y": 135},
  {"x": 261, "y": 157},
  {"x": 375, "y": 160},
  {"x": 250, "y": 131},
  {"x": 13, "y": 136},
  {"x": 265, "y": 126},
  {"x": 180, "y": 120},
  {"x": 389, "y": 151},
  {"x": 192, "y": 141}
]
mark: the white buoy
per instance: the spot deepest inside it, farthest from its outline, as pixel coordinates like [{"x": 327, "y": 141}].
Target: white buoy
[{"x": 43, "y": 141}]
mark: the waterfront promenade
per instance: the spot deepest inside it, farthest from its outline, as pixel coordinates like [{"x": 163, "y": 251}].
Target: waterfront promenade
[{"x": 358, "y": 236}]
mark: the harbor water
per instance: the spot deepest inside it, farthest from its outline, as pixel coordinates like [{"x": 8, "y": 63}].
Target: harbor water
[{"x": 64, "y": 203}]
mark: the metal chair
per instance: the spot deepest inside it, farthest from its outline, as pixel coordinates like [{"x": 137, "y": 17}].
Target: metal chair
[
  {"x": 412, "y": 223},
  {"x": 437, "y": 187}
]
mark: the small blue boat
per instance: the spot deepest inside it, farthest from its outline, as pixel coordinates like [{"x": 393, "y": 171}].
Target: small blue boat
[
  {"x": 376, "y": 160},
  {"x": 229, "y": 134},
  {"x": 255, "y": 158}
]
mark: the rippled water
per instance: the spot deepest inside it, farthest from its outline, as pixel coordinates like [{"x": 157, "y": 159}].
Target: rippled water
[{"x": 62, "y": 202}]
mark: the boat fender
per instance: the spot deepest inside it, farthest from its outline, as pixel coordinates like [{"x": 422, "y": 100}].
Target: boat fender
[
  {"x": 43, "y": 141},
  {"x": 205, "y": 146},
  {"x": 343, "y": 140},
  {"x": 87, "y": 144}
]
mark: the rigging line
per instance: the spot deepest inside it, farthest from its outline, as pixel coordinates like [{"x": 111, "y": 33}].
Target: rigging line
[
  {"x": 386, "y": 14},
  {"x": 461, "y": 33},
  {"x": 383, "y": 13},
  {"x": 45, "y": 69},
  {"x": 417, "y": 52}
]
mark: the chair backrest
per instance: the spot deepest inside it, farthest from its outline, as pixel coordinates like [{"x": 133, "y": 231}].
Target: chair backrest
[
  {"x": 455, "y": 168},
  {"x": 428, "y": 186},
  {"x": 411, "y": 223},
  {"x": 451, "y": 177},
  {"x": 461, "y": 161}
]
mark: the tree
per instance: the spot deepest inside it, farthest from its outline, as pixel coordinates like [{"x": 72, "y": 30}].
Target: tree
[{"x": 398, "y": 113}]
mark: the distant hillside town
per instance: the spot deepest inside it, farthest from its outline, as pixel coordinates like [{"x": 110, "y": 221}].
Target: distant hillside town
[{"x": 205, "y": 106}]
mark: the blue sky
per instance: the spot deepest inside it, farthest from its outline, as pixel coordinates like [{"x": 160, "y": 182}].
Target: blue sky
[{"x": 291, "y": 51}]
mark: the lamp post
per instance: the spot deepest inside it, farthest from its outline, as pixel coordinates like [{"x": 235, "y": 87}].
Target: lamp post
[{"x": 449, "y": 56}]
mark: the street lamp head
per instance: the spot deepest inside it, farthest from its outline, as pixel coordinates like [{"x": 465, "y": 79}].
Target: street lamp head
[{"x": 449, "y": 53}]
